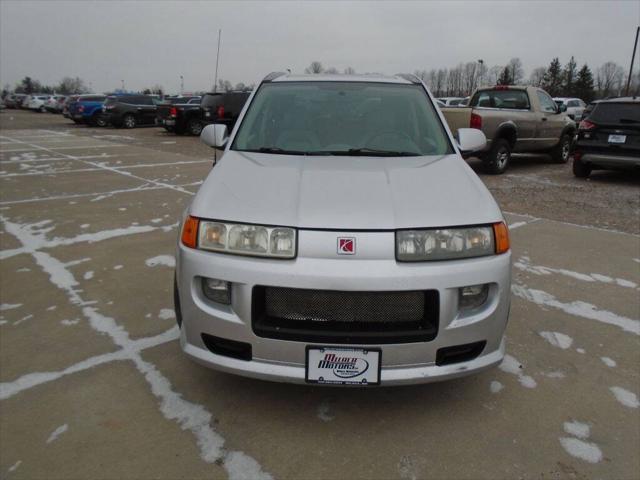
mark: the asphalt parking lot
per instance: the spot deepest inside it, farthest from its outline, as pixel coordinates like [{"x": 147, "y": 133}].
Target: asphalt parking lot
[{"x": 93, "y": 383}]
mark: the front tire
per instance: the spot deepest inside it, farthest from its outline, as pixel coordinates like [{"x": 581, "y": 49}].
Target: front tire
[
  {"x": 42, "y": 109},
  {"x": 499, "y": 157},
  {"x": 100, "y": 121},
  {"x": 194, "y": 127},
  {"x": 561, "y": 152},
  {"x": 129, "y": 121},
  {"x": 581, "y": 169}
]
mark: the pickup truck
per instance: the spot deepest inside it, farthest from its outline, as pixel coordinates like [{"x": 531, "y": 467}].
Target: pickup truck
[
  {"x": 515, "y": 119},
  {"x": 87, "y": 109},
  {"x": 180, "y": 115}
]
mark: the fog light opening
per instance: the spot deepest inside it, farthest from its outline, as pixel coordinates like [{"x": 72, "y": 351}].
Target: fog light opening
[
  {"x": 217, "y": 290},
  {"x": 472, "y": 296}
]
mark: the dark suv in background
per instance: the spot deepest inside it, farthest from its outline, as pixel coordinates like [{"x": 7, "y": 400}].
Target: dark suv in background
[
  {"x": 130, "y": 111},
  {"x": 609, "y": 138},
  {"x": 180, "y": 115},
  {"x": 222, "y": 107}
]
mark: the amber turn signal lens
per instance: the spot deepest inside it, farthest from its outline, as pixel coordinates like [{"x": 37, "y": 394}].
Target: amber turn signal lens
[
  {"x": 190, "y": 232},
  {"x": 501, "y": 233}
]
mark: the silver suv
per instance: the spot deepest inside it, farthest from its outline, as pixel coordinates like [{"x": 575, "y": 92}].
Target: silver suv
[{"x": 342, "y": 239}]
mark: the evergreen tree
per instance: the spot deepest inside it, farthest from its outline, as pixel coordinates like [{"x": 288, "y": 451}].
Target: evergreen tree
[
  {"x": 569, "y": 78},
  {"x": 552, "y": 81},
  {"x": 505, "y": 77},
  {"x": 583, "y": 87}
]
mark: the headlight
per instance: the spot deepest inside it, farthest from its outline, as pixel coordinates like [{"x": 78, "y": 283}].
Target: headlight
[
  {"x": 445, "y": 243},
  {"x": 256, "y": 240}
]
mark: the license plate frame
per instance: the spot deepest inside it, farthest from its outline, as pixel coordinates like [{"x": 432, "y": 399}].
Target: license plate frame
[
  {"x": 617, "y": 138},
  {"x": 322, "y": 369}
]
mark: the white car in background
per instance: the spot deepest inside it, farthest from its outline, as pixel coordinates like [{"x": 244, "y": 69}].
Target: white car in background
[
  {"x": 575, "y": 106},
  {"x": 451, "y": 101},
  {"x": 38, "y": 103}
]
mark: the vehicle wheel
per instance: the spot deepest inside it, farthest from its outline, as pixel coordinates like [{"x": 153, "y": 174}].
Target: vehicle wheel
[
  {"x": 77, "y": 122},
  {"x": 498, "y": 159},
  {"x": 581, "y": 169},
  {"x": 100, "y": 121},
  {"x": 195, "y": 127},
  {"x": 176, "y": 302},
  {"x": 129, "y": 121},
  {"x": 561, "y": 152},
  {"x": 42, "y": 109}
]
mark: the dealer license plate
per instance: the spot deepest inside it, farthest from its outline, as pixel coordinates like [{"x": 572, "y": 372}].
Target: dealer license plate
[
  {"x": 617, "y": 138},
  {"x": 343, "y": 366}
]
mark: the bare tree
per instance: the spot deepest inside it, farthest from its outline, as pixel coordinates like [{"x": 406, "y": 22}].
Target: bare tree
[
  {"x": 70, "y": 85},
  {"x": 441, "y": 81},
  {"x": 537, "y": 76},
  {"x": 469, "y": 77},
  {"x": 493, "y": 74},
  {"x": 224, "y": 85},
  {"x": 349, "y": 71},
  {"x": 609, "y": 79},
  {"x": 315, "y": 67},
  {"x": 331, "y": 71},
  {"x": 516, "y": 71}
]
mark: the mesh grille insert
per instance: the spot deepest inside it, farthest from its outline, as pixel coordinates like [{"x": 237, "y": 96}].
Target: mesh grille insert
[
  {"x": 333, "y": 306},
  {"x": 345, "y": 317}
]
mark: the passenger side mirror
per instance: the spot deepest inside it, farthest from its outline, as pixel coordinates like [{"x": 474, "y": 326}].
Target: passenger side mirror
[
  {"x": 215, "y": 136},
  {"x": 562, "y": 108},
  {"x": 471, "y": 140}
]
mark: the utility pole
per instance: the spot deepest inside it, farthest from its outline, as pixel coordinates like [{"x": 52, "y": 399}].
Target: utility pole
[
  {"x": 215, "y": 80},
  {"x": 481, "y": 62},
  {"x": 122, "y": 85},
  {"x": 181, "y": 85},
  {"x": 633, "y": 57}
]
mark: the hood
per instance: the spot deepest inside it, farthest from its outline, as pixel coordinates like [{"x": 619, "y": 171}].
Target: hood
[{"x": 345, "y": 193}]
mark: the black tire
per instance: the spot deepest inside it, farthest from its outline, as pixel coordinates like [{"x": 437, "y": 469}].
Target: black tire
[
  {"x": 129, "y": 121},
  {"x": 42, "y": 109},
  {"x": 581, "y": 169},
  {"x": 99, "y": 120},
  {"x": 176, "y": 302},
  {"x": 194, "y": 127},
  {"x": 561, "y": 152},
  {"x": 498, "y": 159},
  {"x": 77, "y": 122}
]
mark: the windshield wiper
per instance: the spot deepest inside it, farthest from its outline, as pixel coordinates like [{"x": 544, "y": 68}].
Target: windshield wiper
[
  {"x": 368, "y": 152},
  {"x": 278, "y": 151}
]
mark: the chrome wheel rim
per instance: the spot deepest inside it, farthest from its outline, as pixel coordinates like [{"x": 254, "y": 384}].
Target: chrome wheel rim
[
  {"x": 129, "y": 122},
  {"x": 565, "y": 150},
  {"x": 502, "y": 157}
]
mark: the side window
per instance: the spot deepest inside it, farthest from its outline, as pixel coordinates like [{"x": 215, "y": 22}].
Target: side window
[
  {"x": 145, "y": 101},
  {"x": 483, "y": 99},
  {"x": 547, "y": 104},
  {"x": 572, "y": 103}
]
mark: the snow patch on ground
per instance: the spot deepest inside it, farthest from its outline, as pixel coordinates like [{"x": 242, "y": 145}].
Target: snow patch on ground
[
  {"x": 495, "y": 386},
  {"x": 88, "y": 275},
  {"x": 609, "y": 362},
  {"x": 68, "y": 323},
  {"x": 239, "y": 466},
  {"x": 556, "y": 339},
  {"x": 118, "y": 267},
  {"x": 524, "y": 264},
  {"x": 166, "y": 260},
  {"x": 580, "y": 350},
  {"x": 587, "y": 451},
  {"x": 512, "y": 365},
  {"x": 577, "y": 308},
  {"x": 57, "y": 432},
  {"x": 625, "y": 397},
  {"x": 324, "y": 412},
  {"x": 9, "y": 306},
  {"x": 15, "y": 466},
  {"x": 577, "y": 429},
  {"x": 166, "y": 314}
]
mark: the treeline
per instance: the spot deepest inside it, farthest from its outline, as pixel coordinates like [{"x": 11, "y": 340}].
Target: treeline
[
  {"x": 558, "y": 80},
  {"x": 67, "y": 86}
]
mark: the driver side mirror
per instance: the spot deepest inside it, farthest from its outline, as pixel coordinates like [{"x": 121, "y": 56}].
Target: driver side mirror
[
  {"x": 562, "y": 108},
  {"x": 215, "y": 136},
  {"x": 471, "y": 140}
]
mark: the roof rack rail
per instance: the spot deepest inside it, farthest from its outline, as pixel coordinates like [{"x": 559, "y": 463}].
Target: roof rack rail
[
  {"x": 272, "y": 76},
  {"x": 409, "y": 77}
]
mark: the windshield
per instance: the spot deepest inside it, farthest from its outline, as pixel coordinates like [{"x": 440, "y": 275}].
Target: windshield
[{"x": 342, "y": 118}]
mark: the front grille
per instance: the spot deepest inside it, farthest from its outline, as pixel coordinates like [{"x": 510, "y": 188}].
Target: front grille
[{"x": 345, "y": 317}]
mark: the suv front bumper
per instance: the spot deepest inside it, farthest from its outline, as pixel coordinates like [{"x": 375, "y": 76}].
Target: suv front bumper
[{"x": 284, "y": 360}]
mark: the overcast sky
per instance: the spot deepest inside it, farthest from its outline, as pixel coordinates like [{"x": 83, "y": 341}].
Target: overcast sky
[{"x": 154, "y": 42}]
